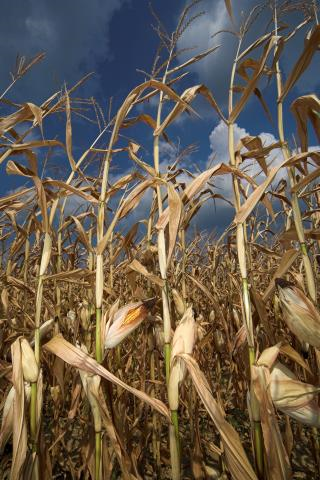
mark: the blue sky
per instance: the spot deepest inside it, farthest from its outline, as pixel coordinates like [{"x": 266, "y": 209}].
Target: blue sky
[{"x": 113, "y": 39}]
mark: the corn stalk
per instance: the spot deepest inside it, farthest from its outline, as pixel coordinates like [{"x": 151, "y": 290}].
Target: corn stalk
[{"x": 241, "y": 249}]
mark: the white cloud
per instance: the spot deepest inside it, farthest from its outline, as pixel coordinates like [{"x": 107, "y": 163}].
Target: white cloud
[
  {"x": 219, "y": 145},
  {"x": 41, "y": 30},
  {"x": 214, "y": 70}
]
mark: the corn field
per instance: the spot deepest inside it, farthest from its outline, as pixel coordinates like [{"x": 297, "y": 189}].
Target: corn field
[{"x": 133, "y": 346}]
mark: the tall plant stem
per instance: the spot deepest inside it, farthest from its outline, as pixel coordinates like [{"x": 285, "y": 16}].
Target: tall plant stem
[
  {"x": 183, "y": 265},
  {"x": 45, "y": 259},
  {"x": 310, "y": 281},
  {"x": 241, "y": 250},
  {"x": 174, "y": 436}
]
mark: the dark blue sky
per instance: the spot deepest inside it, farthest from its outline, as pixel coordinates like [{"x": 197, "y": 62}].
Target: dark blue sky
[{"x": 113, "y": 39}]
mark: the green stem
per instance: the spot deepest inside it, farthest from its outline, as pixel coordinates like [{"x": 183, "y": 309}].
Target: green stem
[{"x": 167, "y": 351}]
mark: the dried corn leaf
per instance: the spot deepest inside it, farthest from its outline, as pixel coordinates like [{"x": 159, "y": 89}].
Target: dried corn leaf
[
  {"x": 82, "y": 234},
  {"x": 187, "y": 97},
  {"x": 69, "y": 133},
  {"x": 134, "y": 197},
  {"x": 303, "y": 61},
  {"x": 285, "y": 264},
  {"x": 138, "y": 267},
  {"x": 290, "y": 352},
  {"x": 28, "y": 111},
  {"x": 175, "y": 212},
  {"x": 78, "y": 359},
  {"x": 253, "y": 82},
  {"x": 254, "y": 198},
  {"x": 235, "y": 456},
  {"x": 192, "y": 60}
]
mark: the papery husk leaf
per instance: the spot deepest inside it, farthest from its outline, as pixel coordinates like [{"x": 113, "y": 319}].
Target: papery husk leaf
[
  {"x": 292, "y": 396},
  {"x": 182, "y": 342},
  {"x": 125, "y": 320},
  {"x": 29, "y": 364},
  {"x": 178, "y": 302},
  {"x": 299, "y": 313},
  {"x": 46, "y": 253},
  {"x": 276, "y": 455}
]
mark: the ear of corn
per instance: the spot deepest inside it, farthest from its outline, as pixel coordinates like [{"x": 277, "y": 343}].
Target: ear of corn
[{"x": 299, "y": 313}]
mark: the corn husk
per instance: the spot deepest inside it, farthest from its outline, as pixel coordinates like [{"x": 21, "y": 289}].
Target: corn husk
[
  {"x": 292, "y": 397},
  {"x": 299, "y": 313},
  {"x": 125, "y": 321},
  {"x": 7, "y": 415},
  {"x": 30, "y": 367},
  {"x": 178, "y": 302},
  {"x": 43, "y": 330},
  {"x": 182, "y": 342},
  {"x": 84, "y": 315}
]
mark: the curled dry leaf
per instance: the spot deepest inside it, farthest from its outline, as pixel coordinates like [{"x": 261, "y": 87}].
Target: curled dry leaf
[
  {"x": 306, "y": 108},
  {"x": 28, "y": 111},
  {"x": 255, "y": 197},
  {"x": 187, "y": 97},
  {"x": 303, "y": 61},
  {"x": 79, "y": 359},
  {"x": 138, "y": 267},
  {"x": 252, "y": 83}
]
